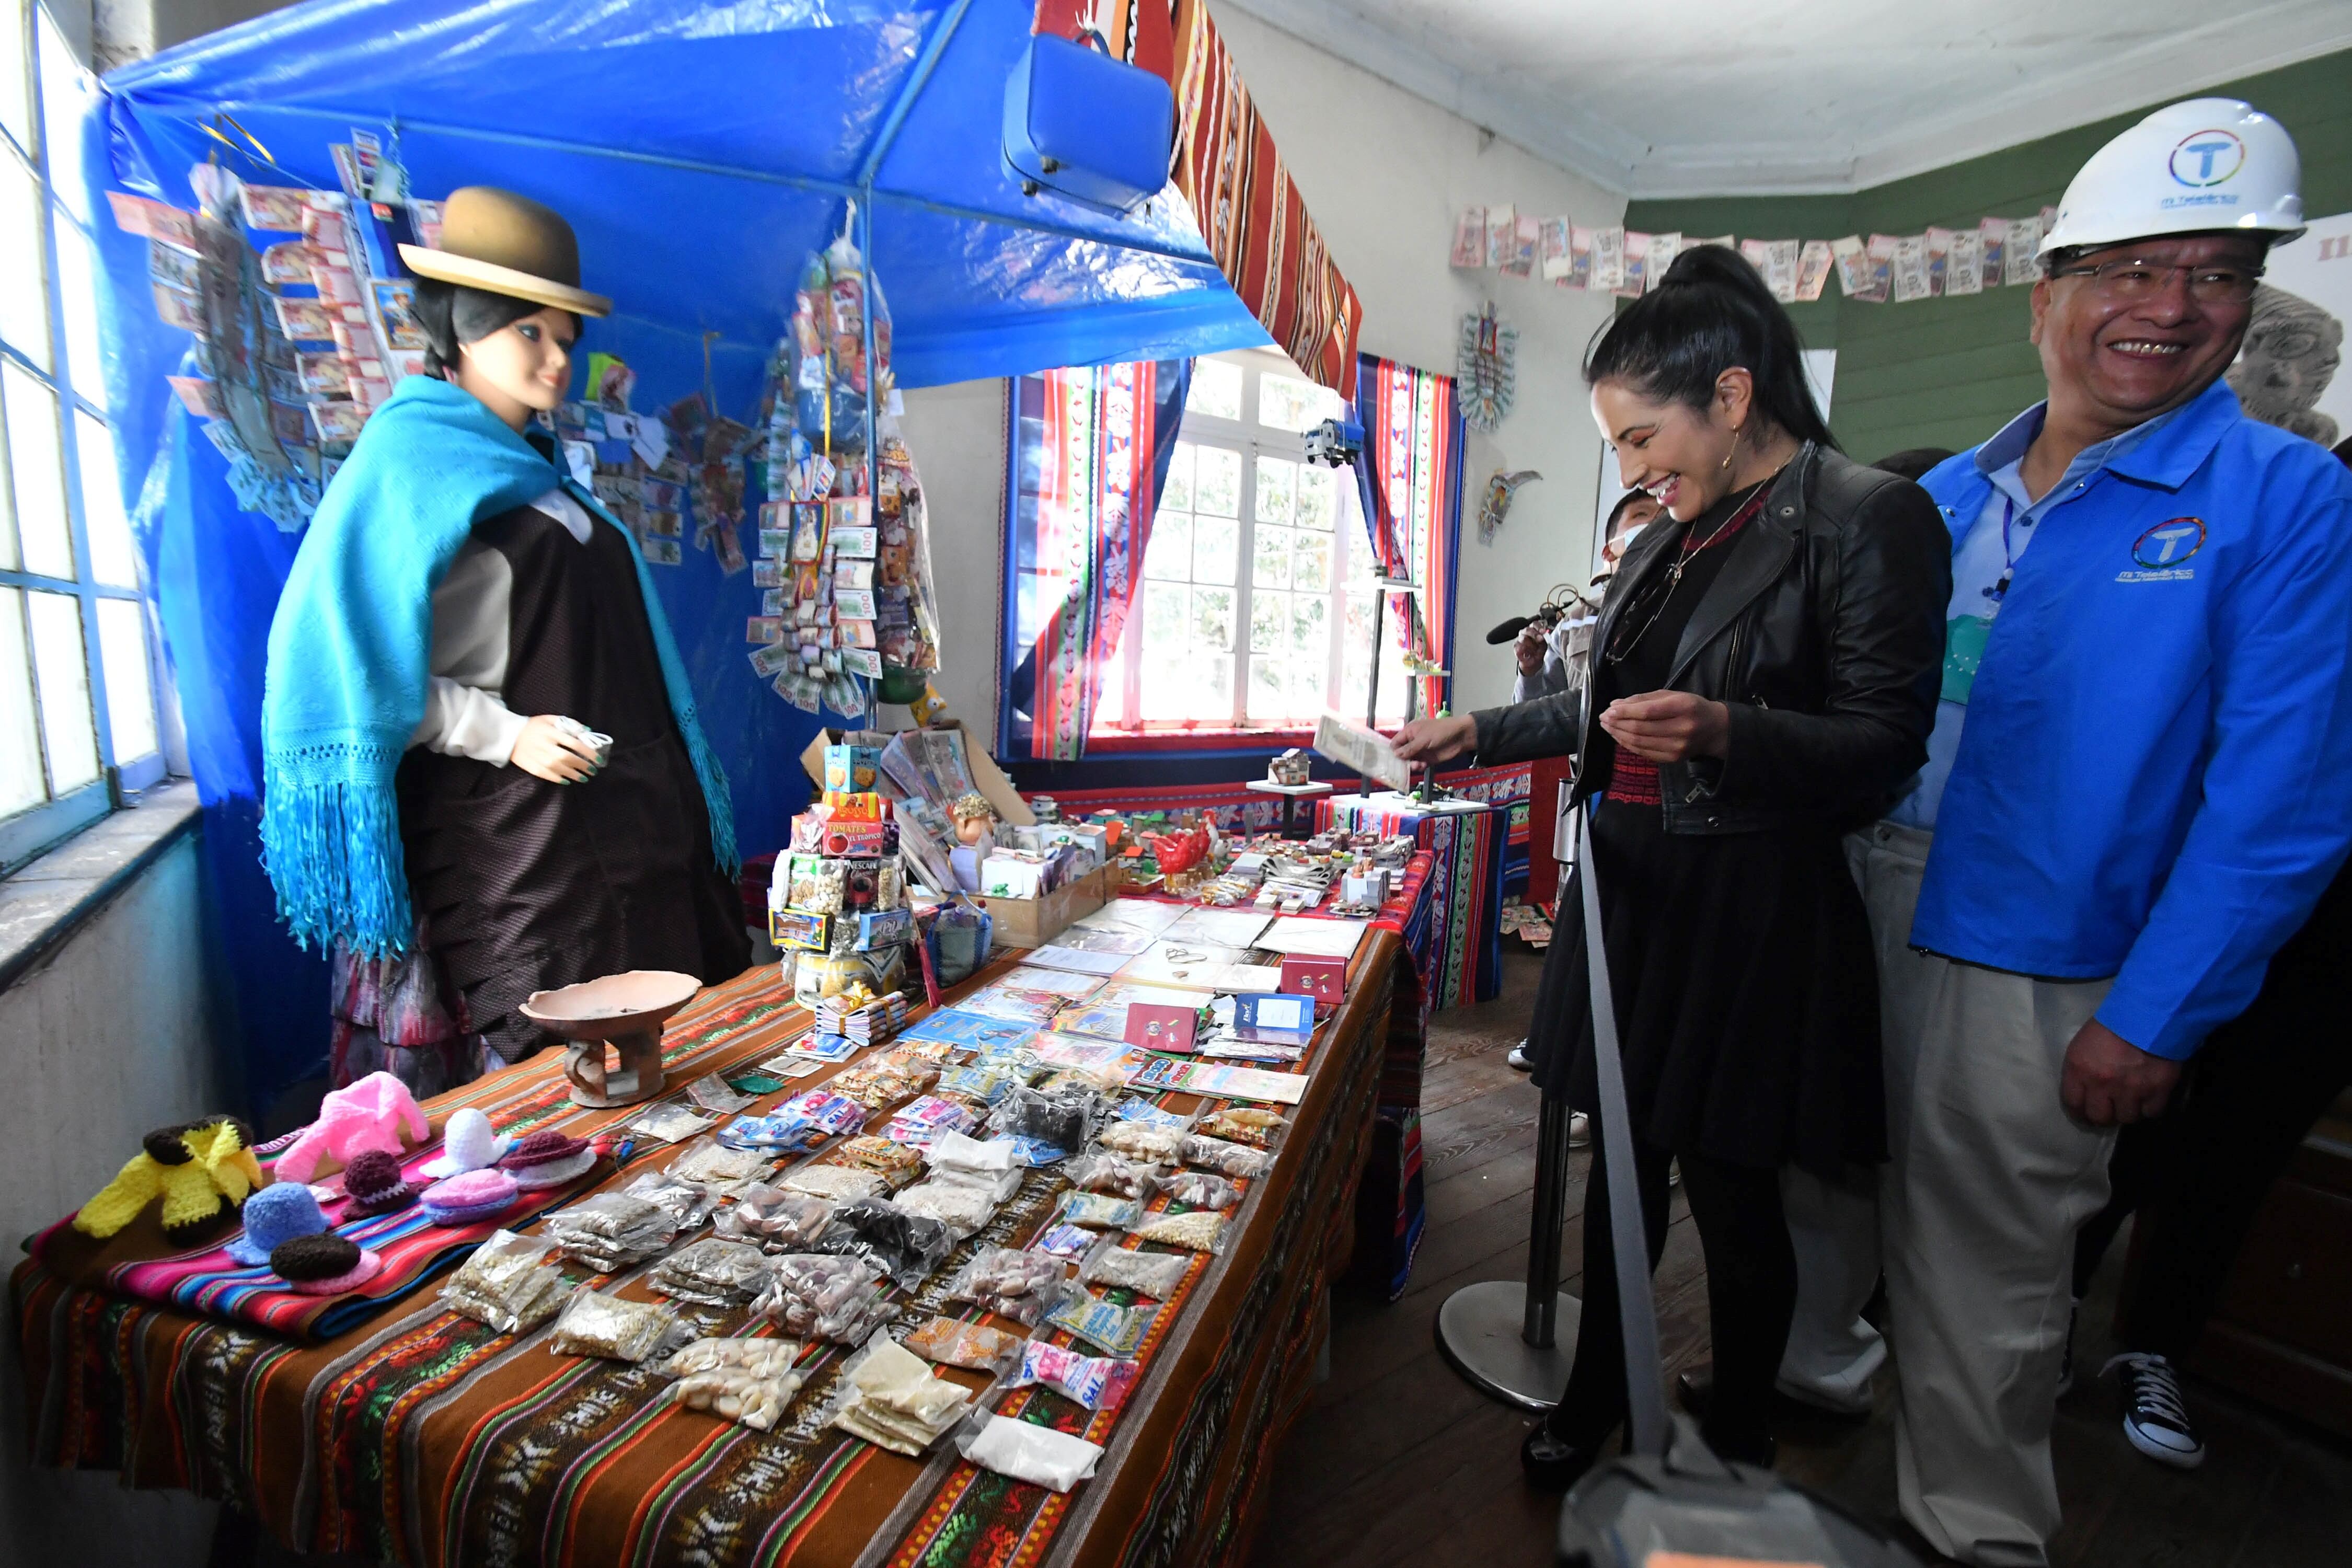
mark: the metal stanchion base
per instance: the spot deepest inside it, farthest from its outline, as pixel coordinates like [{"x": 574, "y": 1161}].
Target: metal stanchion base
[{"x": 1479, "y": 1333}]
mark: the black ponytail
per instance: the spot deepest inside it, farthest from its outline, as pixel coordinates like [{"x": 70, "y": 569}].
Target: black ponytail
[{"x": 1711, "y": 311}]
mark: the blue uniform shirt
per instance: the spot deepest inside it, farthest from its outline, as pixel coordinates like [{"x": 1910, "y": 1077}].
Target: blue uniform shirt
[
  {"x": 2155, "y": 779},
  {"x": 1984, "y": 555}
]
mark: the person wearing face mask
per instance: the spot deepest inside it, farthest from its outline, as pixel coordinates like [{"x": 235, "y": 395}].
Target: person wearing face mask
[
  {"x": 1763, "y": 678},
  {"x": 1547, "y": 667},
  {"x": 479, "y": 746},
  {"x": 1543, "y": 662}
]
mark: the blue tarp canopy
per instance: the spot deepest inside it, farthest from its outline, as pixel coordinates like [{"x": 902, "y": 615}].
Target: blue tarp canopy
[{"x": 701, "y": 150}]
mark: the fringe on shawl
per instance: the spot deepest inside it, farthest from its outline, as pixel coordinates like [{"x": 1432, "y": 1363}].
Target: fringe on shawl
[{"x": 331, "y": 845}]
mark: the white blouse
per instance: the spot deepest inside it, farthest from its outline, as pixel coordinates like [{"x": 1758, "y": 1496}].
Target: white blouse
[{"x": 466, "y": 713}]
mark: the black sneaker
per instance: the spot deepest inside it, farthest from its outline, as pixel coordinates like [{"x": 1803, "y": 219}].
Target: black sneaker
[{"x": 2154, "y": 1417}]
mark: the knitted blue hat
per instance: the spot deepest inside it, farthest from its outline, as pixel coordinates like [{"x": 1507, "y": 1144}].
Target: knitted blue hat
[{"x": 275, "y": 1214}]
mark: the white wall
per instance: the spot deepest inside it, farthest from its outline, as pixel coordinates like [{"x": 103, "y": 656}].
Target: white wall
[
  {"x": 108, "y": 1037},
  {"x": 1385, "y": 173}
]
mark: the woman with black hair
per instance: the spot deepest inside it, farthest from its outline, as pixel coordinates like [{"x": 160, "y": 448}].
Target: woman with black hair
[
  {"x": 482, "y": 763},
  {"x": 1764, "y": 676}
]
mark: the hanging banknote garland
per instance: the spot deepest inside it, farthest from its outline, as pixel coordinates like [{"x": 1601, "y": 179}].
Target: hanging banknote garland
[
  {"x": 1994, "y": 253},
  {"x": 1487, "y": 369}
]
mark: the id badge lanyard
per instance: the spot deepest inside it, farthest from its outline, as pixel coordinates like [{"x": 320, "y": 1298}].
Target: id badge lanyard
[{"x": 1965, "y": 636}]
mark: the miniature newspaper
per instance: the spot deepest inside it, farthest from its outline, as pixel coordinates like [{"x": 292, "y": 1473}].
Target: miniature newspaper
[{"x": 1362, "y": 750}]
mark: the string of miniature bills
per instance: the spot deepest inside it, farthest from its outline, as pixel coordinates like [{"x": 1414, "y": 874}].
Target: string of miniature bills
[{"x": 1882, "y": 267}]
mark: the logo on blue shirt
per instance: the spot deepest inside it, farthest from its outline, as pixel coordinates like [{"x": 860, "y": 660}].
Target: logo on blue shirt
[
  {"x": 2208, "y": 157},
  {"x": 2162, "y": 552}
]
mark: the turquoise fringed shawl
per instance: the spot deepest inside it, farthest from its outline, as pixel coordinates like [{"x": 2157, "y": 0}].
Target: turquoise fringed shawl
[{"x": 349, "y": 648}]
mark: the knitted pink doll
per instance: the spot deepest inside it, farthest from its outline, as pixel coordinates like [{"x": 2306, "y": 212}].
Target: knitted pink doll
[{"x": 370, "y": 1114}]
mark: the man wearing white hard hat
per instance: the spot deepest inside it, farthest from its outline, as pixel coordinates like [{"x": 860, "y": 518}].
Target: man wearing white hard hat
[{"x": 2133, "y": 792}]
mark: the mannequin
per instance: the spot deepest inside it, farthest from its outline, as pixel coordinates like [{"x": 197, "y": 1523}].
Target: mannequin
[{"x": 479, "y": 746}]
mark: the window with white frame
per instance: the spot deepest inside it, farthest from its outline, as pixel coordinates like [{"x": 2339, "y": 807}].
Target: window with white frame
[
  {"x": 78, "y": 684},
  {"x": 1255, "y": 608}
]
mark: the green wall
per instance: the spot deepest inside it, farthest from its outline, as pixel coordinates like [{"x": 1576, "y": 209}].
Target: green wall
[{"x": 1948, "y": 372}]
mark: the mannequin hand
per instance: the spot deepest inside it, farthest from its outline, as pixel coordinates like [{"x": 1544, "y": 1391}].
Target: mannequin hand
[
  {"x": 1668, "y": 726},
  {"x": 2109, "y": 1081},
  {"x": 1531, "y": 650},
  {"x": 547, "y": 749},
  {"x": 1434, "y": 739}
]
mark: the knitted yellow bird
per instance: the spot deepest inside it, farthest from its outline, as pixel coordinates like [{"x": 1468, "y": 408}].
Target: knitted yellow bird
[{"x": 202, "y": 1170}]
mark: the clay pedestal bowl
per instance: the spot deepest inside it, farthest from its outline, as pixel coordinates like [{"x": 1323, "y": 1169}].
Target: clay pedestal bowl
[{"x": 624, "y": 1010}]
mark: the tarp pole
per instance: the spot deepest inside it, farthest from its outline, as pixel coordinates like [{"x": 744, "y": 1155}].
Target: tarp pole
[
  {"x": 873, "y": 397},
  {"x": 934, "y": 47}
]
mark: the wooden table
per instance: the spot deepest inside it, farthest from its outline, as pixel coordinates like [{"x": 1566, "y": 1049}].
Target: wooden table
[{"x": 422, "y": 1437}]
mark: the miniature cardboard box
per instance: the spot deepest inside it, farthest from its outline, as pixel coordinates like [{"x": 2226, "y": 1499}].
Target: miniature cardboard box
[
  {"x": 1275, "y": 1019},
  {"x": 1323, "y": 979}
]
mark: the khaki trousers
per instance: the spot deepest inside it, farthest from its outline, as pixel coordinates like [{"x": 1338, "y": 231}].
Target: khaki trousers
[{"x": 1989, "y": 1180}]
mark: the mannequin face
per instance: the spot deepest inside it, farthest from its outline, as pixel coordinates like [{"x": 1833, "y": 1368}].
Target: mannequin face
[{"x": 523, "y": 368}]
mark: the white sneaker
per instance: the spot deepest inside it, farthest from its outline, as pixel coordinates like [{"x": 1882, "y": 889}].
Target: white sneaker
[
  {"x": 2154, "y": 1417},
  {"x": 1519, "y": 1060},
  {"x": 1579, "y": 1130}
]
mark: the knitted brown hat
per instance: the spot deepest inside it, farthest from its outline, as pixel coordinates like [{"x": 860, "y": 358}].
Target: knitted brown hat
[
  {"x": 547, "y": 1159},
  {"x": 374, "y": 1186},
  {"x": 321, "y": 1256}
]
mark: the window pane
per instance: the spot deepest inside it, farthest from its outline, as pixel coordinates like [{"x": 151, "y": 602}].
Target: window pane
[
  {"x": 1211, "y": 687},
  {"x": 1178, "y": 494},
  {"x": 1164, "y": 610},
  {"x": 1216, "y": 388},
  {"x": 113, "y": 558},
  {"x": 1277, "y": 482},
  {"x": 1169, "y": 553},
  {"x": 1268, "y": 699},
  {"x": 76, "y": 296},
  {"x": 1213, "y": 549},
  {"x": 1217, "y": 480},
  {"x": 24, "y": 300},
  {"x": 61, "y": 677},
  {"x": 1212, "y": 621},
  {"x": 20, "y": 752},
  {"x": 16, "y": 85},
  {"x": 1269, "y": 619},
  {"x": 66, "y": 93},
  {"x": 1270, "y": 557},
  {"x": 123, "y": 655},
  {"x": 40, "y": 472},
  {"x": 1310, "y": 562},
  {"x": 1287, "y": 403},
  {"x": 1318, "y": 501}
]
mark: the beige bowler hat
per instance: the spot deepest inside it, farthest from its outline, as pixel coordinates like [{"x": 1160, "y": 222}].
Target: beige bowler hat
[{"x": 502, "y": 243}]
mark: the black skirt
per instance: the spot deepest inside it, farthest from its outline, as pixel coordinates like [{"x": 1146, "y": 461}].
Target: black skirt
[
  {"x": 1746, "y": 992},
  {"x": 526, "y": 885}
]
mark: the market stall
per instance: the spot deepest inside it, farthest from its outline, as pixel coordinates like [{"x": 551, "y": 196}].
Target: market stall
[
  {"x": 394, "y": 1424},
  {"x": 706, "y": 155}
]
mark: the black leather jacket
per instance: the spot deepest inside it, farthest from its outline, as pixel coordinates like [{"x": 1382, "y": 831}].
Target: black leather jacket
[{"x": 1824, "y": 634}]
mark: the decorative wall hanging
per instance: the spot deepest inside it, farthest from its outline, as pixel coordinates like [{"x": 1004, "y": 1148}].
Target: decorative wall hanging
[
  {"x": 1500, "y": 487},
  {"x": 1487, "y": 369}
]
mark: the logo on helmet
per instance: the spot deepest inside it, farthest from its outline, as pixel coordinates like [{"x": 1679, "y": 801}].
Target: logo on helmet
[{"x": 2207, "y": 158}]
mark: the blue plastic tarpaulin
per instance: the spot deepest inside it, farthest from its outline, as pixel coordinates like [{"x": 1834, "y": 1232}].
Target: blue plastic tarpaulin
[{"x": 701, "y": 151}]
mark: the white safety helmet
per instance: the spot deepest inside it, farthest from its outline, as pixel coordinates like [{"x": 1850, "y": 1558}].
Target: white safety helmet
[{"x": 2204, "y": 164}]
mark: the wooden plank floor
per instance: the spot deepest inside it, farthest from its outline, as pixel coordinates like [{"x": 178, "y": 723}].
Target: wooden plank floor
[{"x": 1396, "y": 1460}]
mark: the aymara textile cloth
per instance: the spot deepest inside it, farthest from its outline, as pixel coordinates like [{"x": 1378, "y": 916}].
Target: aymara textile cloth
[
  {"x": 422, "y": 1437},
  {"x": 1242, "y": 197},
  {"x": 1465, "y": 846},
  {"x": 1103, "y": 451}
]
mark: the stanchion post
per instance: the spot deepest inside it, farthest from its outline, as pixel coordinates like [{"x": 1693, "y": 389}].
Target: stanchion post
[{"x": 1515, "y": 1339}]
